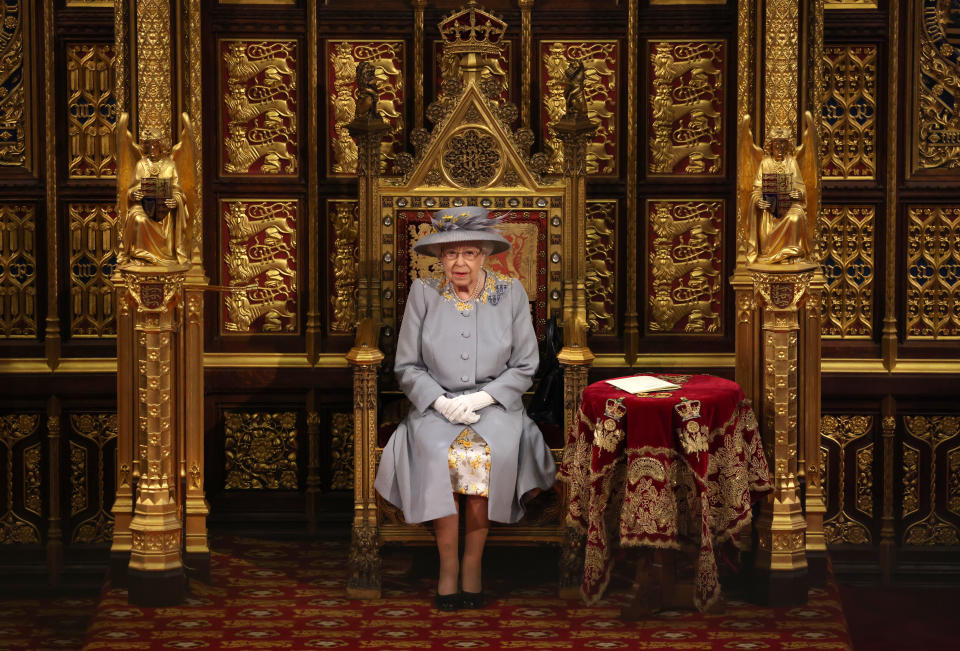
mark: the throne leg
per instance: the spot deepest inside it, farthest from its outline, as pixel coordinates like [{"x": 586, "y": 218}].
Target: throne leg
[
  {"x": 364, "y": 563},
  {"x": 571, "y": 564}
]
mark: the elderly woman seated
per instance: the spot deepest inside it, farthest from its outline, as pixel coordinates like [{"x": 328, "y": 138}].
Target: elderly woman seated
[{"x": 465, "y": 355}]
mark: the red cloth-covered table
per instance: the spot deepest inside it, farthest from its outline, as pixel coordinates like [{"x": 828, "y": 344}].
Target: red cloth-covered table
[{"x": 664, "y": 468}]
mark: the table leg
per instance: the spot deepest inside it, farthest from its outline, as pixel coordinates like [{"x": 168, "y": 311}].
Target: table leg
[{"x": 645, "y": 593}]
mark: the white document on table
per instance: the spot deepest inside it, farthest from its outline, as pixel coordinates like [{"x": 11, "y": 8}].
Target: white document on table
[{"x": 643, "y": 384}]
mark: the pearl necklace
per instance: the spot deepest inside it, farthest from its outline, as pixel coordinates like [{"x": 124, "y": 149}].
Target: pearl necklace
[{"x": 477, "y": 289}]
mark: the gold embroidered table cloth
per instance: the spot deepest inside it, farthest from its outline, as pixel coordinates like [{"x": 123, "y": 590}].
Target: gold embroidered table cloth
[{"x": 663, "y": 470}]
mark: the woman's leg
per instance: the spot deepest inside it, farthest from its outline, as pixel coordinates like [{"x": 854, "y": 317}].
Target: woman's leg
[
  {"x": 446, "y": 530},
  {"x": 477, "y": 527}
]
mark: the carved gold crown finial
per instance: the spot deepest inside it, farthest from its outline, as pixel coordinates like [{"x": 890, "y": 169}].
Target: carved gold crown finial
[{"x": 472, "y": 29}]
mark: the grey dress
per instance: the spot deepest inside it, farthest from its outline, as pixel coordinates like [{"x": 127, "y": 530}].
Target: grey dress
[{"x": 451, "y": 347}]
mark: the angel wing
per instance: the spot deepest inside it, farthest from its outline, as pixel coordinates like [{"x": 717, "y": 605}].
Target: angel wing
[
  {"x": 184, "y": 158},
  {"x": 807, "y": 159},
  {"x": 128, "y": 154},
  {"x": 748, "y": 162}
]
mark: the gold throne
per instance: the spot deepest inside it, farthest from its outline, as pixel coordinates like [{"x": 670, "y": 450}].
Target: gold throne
[{"x": 472, "y": 156}]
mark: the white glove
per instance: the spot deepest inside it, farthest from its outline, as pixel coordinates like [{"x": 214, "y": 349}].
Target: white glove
[
  {"x": 455, "y": 411},
  {"x": 476, "y": 401}
]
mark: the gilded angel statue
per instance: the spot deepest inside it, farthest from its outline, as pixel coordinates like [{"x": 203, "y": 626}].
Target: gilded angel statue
[
  {"x": 774, "y": 190},
  {"x": 160, "y": 196}
]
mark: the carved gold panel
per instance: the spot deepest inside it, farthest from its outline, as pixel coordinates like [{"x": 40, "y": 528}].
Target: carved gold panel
[
  {"x": 91, "y": 435},
  {"x": 259, "y": 265},
  {"x": 864, "y": 480},
  {"x": 90, "y": 3},
  {"x": 936, "y": 118},
  {"x": 849, "y": 4},
  {"x": 79, "y": 499},
  {"x": 260, "y": 450},
  {"x": 848, "y": 147},
  {"x": 933, "y": 433},
  {"x": 94, "y": 240},
  {"x": 847, "y": 238},
  {"x": 953, "y": 481},
  {"x": 600, "y": 281},
  {"x": 686, "y": 107},
  {"x": 343, "y": 264},
  {"x": 91, "y": 111},
  {"x": 154, "y": 75},
  {"x": 32, "y": 474},
  {"x": 341, "y": 452},
  {"x": 843, "y": 433},
  {"x": 684, "y": 272},
  {"x": 910, "y": 469},
  {"x": 19, "y": 500},
  {"x": 781, "y": 51},
  {"x": 258, "y": 104},
  {"x": 933, "y": 272},
  {"x": 18, "y": 271},
  {"x": 601, "y": 60},
  {"x": 15, "y": 95},
  {"x": 499, "y": 67},
  {"x": 387, "y": 57}
]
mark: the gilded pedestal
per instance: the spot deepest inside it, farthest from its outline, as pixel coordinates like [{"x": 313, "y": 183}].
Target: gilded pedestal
[
  {"x": 781, "y": 560},
  {"x": 155, "y": 575}
]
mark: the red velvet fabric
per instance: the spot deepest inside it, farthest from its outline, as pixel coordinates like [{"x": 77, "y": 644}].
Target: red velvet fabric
[{"x": 672, "y": 470}]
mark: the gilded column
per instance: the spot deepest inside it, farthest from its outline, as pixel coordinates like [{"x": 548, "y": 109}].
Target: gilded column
[
  {"x": 154, "y": 73},
  {"x": 196, "y": 509},
  {"x": 418, "y": 46},
  {"x": 54, "y": 520},
  {"x": 888, "y": 338},
  {"x": 746, "y": 325},
  {"x": 631, "y": 324},
  {"x": 313, "y": 327},
  {"x": 126, "y": 434},
  {"x": 575, "y": 357},
  {"x": 526, "y": 59},
  {"x": 809, "y": 451},
  {"x": 155, "y": 576},
  {"x": 313, "y": 460},
  {"x": 365, "y": 357},
  {"x": 781, "y": 552},
  {"x": 888, "y": 532},
  {"x": 51, "y": 335}
]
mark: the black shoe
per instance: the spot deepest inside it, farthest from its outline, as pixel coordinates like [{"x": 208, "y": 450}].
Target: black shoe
[
  {"x": 472, "y": 600},
  {"x": 447, "y": 602}
]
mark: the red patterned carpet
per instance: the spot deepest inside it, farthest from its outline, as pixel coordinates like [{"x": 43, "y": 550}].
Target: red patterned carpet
[{"x": 290, "y": 595}]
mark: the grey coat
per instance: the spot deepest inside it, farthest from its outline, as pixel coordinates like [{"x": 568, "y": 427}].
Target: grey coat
[{"x": 448, "y": 347}]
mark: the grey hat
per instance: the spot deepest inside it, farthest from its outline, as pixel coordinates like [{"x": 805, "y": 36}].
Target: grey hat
[{"x": 463, "y": 224}]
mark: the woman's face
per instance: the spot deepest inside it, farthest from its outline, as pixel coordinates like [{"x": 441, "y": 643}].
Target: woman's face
[{"x": 462, "y": 264}]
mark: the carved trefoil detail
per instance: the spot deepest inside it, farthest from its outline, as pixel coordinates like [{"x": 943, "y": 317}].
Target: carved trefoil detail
[
  {"x": 845, "y": 433},
  {"x": 933, "y": 272},
  {"x": 91, "y": 110},
  {"x": 92, "y": 432},
  {"x": 14, "y": 528},
  {"x": 260, "y": 265},
  {"x": 934, "y": 432},
  {"x": 94, "y": 241},
  {"x": 18, "y": 278},
  {"x": 846, "y": 236},
  {"x": 848, "y": 148}
]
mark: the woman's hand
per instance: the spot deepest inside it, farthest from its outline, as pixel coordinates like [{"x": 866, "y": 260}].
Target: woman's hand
[
  {"x": 455, "y": 410},
  {"x": 477, "y": 400}
]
